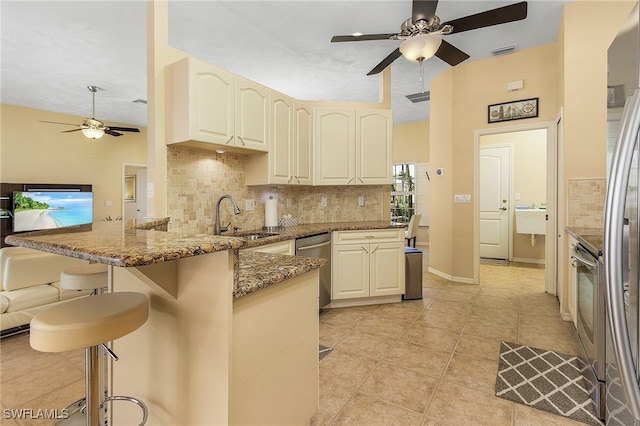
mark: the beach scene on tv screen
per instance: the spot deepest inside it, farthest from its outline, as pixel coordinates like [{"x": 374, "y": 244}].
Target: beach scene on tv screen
[{"x": 48, "y": 210}]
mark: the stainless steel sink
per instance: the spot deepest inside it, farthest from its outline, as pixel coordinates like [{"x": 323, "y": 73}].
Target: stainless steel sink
[{"x": 255, "y": 235}]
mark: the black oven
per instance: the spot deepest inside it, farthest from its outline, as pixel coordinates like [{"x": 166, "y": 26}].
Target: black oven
[{"x": 591, "y": 316}]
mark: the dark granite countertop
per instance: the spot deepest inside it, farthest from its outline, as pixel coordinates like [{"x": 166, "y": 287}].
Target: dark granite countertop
[
  {"x": 114, "y": 243},
  {"x": 260, "y": 270},
  {"x": 591, "y": 238}
]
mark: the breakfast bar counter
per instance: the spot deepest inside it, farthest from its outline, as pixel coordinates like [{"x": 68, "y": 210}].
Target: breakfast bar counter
[{"x": 224, "y": 325}]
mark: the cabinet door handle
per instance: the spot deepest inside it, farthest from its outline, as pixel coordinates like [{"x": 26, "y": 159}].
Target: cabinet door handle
[
  {"x": 365, "y": 249},
  {"x": 374, "y": 249},
  {"x": 290, "y": 179},
  {"x": 241, "y": 141},
  {"x": 230, "y": 139},
  {"x": 360, "y": 179},
  {"x": 349, "y": 181}
]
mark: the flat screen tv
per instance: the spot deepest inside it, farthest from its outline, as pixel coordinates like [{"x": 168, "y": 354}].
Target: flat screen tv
[{"x": 33, "y": 211}]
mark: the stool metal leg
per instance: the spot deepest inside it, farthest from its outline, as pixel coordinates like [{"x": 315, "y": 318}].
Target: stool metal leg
[{"x": 93, "y": 386}]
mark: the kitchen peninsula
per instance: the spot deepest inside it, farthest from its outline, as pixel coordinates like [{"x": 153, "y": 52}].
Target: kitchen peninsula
[
  {"x": 223, "y": 344},
  {"x": 232, "y": 335}
]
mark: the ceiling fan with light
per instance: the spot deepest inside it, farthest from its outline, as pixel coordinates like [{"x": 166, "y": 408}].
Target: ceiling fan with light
[
  {"x": 422, "y": 33},
  {"x": 93, "y": 128}
]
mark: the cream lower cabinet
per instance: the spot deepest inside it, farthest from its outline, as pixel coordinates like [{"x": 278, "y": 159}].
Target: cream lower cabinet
[
  {"x": 353, "y": 146},
  {"x": 572, "y": 287},
  {"x": 282, "y": 247},
  {"x": 367, "y": 266},
  {"x": 212, "y": 108}
]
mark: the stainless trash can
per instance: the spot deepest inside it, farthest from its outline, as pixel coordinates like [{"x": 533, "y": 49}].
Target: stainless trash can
[{"x": 413, "y": 273}]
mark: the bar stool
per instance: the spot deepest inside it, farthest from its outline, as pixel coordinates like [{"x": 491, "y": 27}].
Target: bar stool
[
  {"x": 94, "y": 277},
  {"x": 87, "y": 323}
]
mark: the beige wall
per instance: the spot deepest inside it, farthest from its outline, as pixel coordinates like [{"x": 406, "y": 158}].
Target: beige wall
[
  {"x": 570, "y": 73},
  {"x": 460, "y": 97},
  {"x": 34, "y": 152},
  {"x": 529, "y": 179},
  {"x": 411, "y": 142}
]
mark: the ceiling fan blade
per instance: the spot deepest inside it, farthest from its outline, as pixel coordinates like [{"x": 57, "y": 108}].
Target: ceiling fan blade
[
  {"x": 386, "y": 62},
  {"x": 501, "y": 15},
  {"x": 363, "y": 37},
  {"x": 111, "y": 132},
  {"x": 69, "y": 131},
  {"x": 423, "y": 10},
  {"x": 57, "y": 122},
  {"x": 124, "y": 129},
  {"x": 451, "y": 54}
]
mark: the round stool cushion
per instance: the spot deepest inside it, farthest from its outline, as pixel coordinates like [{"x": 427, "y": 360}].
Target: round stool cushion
[
  {"x": 85, "y": 277},
  {"x": 88, "y": 321}
]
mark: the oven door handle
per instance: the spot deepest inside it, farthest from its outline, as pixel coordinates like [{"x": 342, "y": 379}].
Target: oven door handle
[
  {"x": 575, "y": 252},
  {"x": 613, "y": 234}
]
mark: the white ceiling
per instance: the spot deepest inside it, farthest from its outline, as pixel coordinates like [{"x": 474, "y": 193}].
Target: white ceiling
[{"x": 52, "y": 50}]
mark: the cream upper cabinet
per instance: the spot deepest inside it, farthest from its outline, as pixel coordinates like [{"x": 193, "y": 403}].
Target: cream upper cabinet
[
  {"x": 289, "y": 161},
  {"x": 353, "y": 146},
  {"x": 210, "y": 107},
  {"x": 282, "y": 134},
  {"x": 374, "y": 145},
  {"x": 252, "y": 115},
  {"x": 335, "y": 146},
  {"x": 303, "y": 147},
  {"x": 367, "y": 264}
]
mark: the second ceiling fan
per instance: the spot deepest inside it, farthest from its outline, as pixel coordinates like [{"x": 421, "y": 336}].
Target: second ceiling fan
[{"x": 422, "y": 33}]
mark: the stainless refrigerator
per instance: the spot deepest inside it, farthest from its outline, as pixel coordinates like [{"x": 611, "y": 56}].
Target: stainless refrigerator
[{"x": 621, "y": 231}]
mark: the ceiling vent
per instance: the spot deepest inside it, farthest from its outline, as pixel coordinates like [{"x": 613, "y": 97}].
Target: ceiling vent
[
  {"x": 140, "y": 101},
  {"x": 419, "y": 97},
  {"x": 504, "y": 50}
]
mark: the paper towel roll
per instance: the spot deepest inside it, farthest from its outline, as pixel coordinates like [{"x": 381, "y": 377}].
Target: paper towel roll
[{"x": 271, "y": 213}]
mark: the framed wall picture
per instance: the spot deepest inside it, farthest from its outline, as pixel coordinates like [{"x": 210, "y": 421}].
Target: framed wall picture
[
  {"x": 516, "y": 110},
  {"x": 130, "y": 189}
]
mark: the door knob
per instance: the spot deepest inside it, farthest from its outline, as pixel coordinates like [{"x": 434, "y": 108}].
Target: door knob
[{"x": 503, "y": 208}]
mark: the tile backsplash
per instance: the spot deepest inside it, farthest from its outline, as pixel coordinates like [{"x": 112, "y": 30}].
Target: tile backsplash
[
  {"x": 197, "y": 178},
  {"x": 586, "y": 202}
]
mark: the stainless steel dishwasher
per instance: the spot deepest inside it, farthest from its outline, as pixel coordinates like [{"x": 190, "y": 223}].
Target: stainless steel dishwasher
[{"x": 318, "y": 246}]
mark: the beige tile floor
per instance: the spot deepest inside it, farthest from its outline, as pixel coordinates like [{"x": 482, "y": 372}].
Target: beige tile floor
[
  {"x": 426, "y": 362},
  {"x": 434, "y": 361}
]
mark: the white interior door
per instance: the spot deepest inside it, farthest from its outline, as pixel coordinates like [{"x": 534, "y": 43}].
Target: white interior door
[{"x": 495, "y": 172}]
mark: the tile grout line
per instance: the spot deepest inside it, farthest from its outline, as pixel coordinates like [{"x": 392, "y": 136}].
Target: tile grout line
[{"x": 425, "y": 416}]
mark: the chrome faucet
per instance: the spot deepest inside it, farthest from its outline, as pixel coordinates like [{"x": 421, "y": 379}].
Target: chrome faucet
[{"x": 236, "y": 210}]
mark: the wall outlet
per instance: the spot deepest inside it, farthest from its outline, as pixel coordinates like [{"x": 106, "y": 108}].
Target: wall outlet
[
  {"x": 361, "y": 200},
  {"x": 323, "y": 201},
  {"x": 250, "y": 205},
  {"x": 107, "y": 203},
  {"x": 288, "y": 203},
  {"x": 462, "y": 198}
]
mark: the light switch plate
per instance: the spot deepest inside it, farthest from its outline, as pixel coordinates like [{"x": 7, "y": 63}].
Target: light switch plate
[
  {"x": 361, "y": 200},
  {"x": 250, "y": 205},
  {"x": 323, "y": 201},
  {"x": 462, "y": 198}
]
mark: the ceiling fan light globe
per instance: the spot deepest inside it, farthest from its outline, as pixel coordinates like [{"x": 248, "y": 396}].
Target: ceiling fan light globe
[
  {"x": 93, "y": 133},
  {"x": 420, "y": 47}
]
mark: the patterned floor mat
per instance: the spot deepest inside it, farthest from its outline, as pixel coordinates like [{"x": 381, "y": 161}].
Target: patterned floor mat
[
  {"x": 546, "y": 380},
  {"x": 323, "y": 351}
]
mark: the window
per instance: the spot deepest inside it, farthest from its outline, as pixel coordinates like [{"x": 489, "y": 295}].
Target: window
[{"x": 403, "y": 192}]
